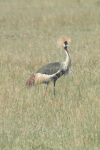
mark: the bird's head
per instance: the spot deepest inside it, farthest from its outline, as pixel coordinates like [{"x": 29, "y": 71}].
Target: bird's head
[
  {"x": 63, "y": 41},
  {"x": 65, "y": 45}
]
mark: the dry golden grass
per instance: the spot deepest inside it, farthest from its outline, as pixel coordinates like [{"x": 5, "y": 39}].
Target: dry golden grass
[{"x": 32, "y": 118}]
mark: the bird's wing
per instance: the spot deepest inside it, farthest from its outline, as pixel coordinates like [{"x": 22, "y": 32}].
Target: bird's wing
[{"x": 50, "y": 68}]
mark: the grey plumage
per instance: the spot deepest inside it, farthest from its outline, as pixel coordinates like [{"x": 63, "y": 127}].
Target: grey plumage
[
  {"x": 50, "y": 68},
  {"x": 51, "y": 71}
]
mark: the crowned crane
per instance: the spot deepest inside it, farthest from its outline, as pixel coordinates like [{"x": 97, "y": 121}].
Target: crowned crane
[{"x": 52, "y": 71}]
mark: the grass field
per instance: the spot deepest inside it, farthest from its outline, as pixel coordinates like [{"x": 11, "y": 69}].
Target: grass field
[{"x": 32, "y": 118}]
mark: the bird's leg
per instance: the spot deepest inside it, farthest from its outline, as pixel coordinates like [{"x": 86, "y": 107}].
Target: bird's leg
[
  {"x": 54, "y": 87},
  {"x": 47, "y": 86}
]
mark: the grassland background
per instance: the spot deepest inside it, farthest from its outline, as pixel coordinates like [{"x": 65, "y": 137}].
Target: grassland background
[{"x": 29, "y": 120}]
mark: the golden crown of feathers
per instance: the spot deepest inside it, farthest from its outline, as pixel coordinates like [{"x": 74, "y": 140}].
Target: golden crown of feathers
[{"x": 61, "y": 41}]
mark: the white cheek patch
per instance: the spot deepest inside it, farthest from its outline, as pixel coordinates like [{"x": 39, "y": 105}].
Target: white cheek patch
[{"x": 64, "y": 45}]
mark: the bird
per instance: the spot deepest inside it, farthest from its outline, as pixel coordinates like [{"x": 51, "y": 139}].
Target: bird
[{"x": 52, "y": 71}]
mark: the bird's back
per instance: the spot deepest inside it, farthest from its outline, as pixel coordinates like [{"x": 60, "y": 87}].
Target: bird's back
[{"x": 50, "y": 69}]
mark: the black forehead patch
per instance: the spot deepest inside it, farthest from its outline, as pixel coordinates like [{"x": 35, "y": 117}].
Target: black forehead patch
[{"x": 65, "y": 42}]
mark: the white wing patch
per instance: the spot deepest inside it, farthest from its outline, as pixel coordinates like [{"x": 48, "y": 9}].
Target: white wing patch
[{"x": 39, "y": 77}]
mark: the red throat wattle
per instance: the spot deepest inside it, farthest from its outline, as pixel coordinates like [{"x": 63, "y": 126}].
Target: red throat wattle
[{"x": 66, "y": 49}]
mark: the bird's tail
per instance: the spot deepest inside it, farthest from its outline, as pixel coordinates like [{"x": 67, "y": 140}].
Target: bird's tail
[{"x": 31, "y": 81}]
